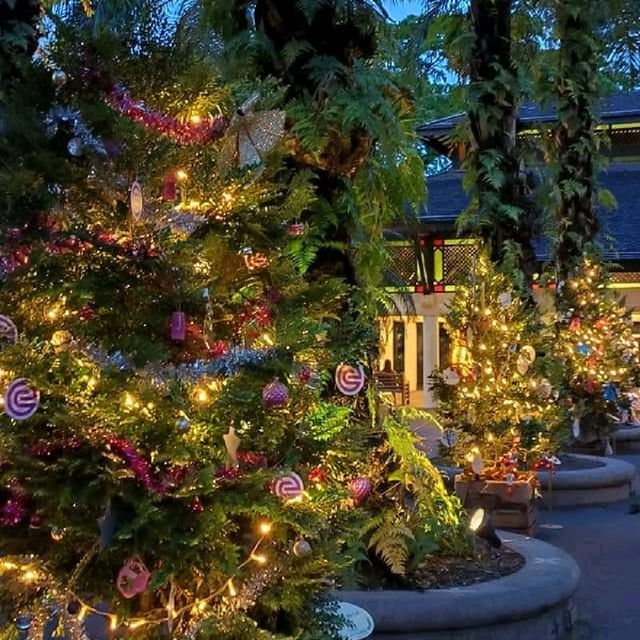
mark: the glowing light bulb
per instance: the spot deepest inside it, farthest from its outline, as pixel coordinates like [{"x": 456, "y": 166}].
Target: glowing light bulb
[
  {"x": 195, "y": 118},
  {"x": 113, "y": 623},
  {"x": 232, "y": 589},
  {"x": 128, "y": 401},
  {"x": 264, "y": 528},
  {"x": 260, "y": 558},
  {"x": 181, "y": 175},
  {"x": 202, "y": 395}
]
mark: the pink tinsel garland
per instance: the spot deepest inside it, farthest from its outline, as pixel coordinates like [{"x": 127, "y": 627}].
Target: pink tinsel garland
[{"x": 201, "y": 132}]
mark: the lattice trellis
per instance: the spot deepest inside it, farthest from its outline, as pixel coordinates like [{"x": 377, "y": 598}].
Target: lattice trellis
[
  {"x": 402, "y": 271},
  {"x": 453, "y": 260}
]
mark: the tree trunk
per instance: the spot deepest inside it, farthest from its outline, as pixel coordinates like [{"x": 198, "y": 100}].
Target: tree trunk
[
  {"x": 575, "y": 141},
  {"x": 505, "y": 213}
]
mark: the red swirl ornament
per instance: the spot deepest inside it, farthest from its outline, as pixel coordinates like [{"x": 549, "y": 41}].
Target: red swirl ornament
[
  {"x": 360, "y": 488},
  {"x": 200, "y": 132}
]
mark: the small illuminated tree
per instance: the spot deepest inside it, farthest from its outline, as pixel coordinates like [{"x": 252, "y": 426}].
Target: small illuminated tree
[
  {"x": 595, "y": 349},
  {"x": 494, "y": 390}
]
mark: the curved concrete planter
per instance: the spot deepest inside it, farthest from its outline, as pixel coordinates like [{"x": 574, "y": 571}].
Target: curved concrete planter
[
  {"x": 627, "y": 438},
  {"x": 609, "y": 481},
  {"x": 533, "y": 603}
]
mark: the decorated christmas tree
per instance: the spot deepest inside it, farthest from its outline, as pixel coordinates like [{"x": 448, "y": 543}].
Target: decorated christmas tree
[
  {"x": 595, "y": 349},
  {"x": 188, "y": 437},
  {"x": 495, "y": 400}
]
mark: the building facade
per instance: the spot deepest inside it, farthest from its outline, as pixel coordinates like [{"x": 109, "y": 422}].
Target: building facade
[{"x": 428, "y": 264}]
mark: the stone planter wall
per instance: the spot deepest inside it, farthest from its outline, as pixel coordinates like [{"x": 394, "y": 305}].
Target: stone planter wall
[
  {"x": 532, "y": 604},
  {"x": 610, "y": 481}
]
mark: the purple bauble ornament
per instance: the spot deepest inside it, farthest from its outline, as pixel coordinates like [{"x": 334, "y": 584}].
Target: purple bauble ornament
[{"x": 275, "y": 394}]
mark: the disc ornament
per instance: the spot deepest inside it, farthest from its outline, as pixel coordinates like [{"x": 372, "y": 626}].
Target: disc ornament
[
  {"x": 350, "y": 379},
  {"x": 21, "y": 400},
  {"x": 8, "y": 330}
]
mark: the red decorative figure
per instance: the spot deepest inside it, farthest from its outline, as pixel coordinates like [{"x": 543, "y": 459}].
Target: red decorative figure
[
  {"x": 169, "y": 192},
  {"x": 133, "y": 578}
]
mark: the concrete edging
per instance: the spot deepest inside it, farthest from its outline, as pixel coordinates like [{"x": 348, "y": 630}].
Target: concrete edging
[
  {"x": 610, "y": 481},
  {"x": 627, "y": 438},
  {"x": 534, "y": 602}
]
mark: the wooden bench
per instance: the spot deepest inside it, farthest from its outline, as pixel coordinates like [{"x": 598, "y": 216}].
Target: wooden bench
[{"x": 393, "y": 383}]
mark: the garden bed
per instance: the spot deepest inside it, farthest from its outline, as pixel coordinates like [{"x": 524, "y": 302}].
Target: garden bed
[{"x": 531, "y": 603}]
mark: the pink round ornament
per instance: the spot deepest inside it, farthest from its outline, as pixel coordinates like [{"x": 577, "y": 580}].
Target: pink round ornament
[
  {"x": 20, "y": 400},
  {"x": 133, "y": 577},
  {"x": 275, "y": 394},
  {"x": 289, "y": 487},
  {"x": 8, "y": 330},
  {"x": 360, "y": 488},
  {"x": 349, "y": 379}
]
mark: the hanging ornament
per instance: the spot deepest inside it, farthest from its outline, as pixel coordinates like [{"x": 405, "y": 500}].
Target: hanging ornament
[
  {"x": 317, "y": 476},
  {"x": 529, "y": 353},
  {"x": 57, "y": 534},
  {"x": 183, "y": 424},
  {"x": 196, "y": 505},
  {"x": 61, "y": 339},
  {"x": 302, "y": 549},
  {"x": 575, "y": 323},
  {"x": 449, "y": 438},
  {"x": 8, "y": 330},
  {"x": 169, "y": 191},
  {"x": 544, "y": 389},
  {"x": 349, "y": 379},
  {"x": 289, "y": 487},
  {"x": 522, "y": 365},
  {"x": 505, "y": 299},
  {"x": 254, "y": 261},
  {"x": 609, "y": 392},
  {"x": 360, "y": 488},
  {"x": 21, "y": 401},
  {"x": 296, "y": 229},
  {"x": 136, "y": 201},
  {"x": 251, "y": 135},
  {"x": 178, "y": 326},
  {"x": 600, "y": 324},
  {"x": 450, "y": 377},
  {"x": 59, "y": 77},
  {"x": 275, "y": 395},
  {"x": 583, "y": 349},
  {"x": 75, "y": 146},
  {"x": 232, "y": 443},
  {"x": 575, "y": 427},
  {"x": 133, "y": 577},
  {"x": 477, "y": 464}
]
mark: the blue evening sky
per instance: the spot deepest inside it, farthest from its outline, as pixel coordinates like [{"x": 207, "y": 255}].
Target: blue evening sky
[{"x": 399, "y": 9}]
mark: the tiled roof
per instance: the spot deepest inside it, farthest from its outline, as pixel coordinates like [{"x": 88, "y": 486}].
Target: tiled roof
[
  {"x": 614, "y": 109},
  {"x": 620, "y": 227}
]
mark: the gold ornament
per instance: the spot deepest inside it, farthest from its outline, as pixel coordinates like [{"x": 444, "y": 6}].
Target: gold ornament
[{"x": 232, "y": 443}]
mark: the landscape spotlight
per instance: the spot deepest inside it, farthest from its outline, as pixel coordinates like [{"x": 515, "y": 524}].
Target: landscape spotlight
[{"x": 481, "y": 525}]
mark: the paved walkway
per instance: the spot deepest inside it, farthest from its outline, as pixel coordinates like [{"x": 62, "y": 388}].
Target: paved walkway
[{"x": 605, "y": 541}]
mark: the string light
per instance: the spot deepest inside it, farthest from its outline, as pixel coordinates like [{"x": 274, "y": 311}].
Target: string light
[
  {"x": 265, "y": 528},
  {"x": 260, "y": 558}
]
